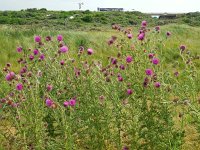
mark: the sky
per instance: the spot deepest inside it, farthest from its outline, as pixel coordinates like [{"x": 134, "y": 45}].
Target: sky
[{"x": 138, "y": 5}]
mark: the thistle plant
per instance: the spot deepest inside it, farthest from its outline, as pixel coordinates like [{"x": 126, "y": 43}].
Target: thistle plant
[{"x": 63, "y": 98}]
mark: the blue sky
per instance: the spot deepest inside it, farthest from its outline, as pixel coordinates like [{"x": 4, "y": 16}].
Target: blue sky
[{"x": 139, "y": 5}]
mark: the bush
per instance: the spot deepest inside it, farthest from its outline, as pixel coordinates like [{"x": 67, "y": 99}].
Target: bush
[{"x": 87, "y": 18}]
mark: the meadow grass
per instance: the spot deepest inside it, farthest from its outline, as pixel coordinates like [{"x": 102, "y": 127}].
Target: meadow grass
[{"x": 113, "y": 124}]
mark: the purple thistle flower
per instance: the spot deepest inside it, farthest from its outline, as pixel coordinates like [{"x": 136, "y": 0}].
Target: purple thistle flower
[
  {"x": 49, "y": 102},
  {"x": 23, "y": 70},
  {"x": 35, "y": 52},
  {"x": 176, "y": 73},
  {"x": 120, "y": 78},
  {"x": 37, "y": 39},
  {"x": 129, "y": 59},
  {"x": 130, "y": 36},
  {"x": 110, "y": 42},
  {"x": 122, "y": 67},
  {"x": 31, "y": 57},
  {"x": 59, "y": 37},
  {"x": 62, "y": 62},
  {"x": 48, "y": 38},
  {"x": 157, "y": 28},
  {"x": 90, "y": 51},
  {"x": 155, "y": 61},
  {"x": 72, "y": 102},
  {"x": 42, "y": 57},
  {"x": 8, "y": 64},
  {"x": 157, "y": 84},
  {"x": 168, "y": 33},
  {"x": 19, "y": 49},
  {"x": 19, "y": 87},
  {"x": 64, "y": 49},
  {"x": 10, "y": 76},
  {"x": 150, "y": 55},
  {"x": 49, "y": 88},
  {"x": 144, "y": 23},
  {"x": 129, "y": 91},
  {"x": 77, "y": 72},
  {"x": 81, "y": 48},
  {"x": 66, "y": 104},
  {"x": 125, "y": 148},
  {"x": 149, "y": 72},
  {"x": 141, "y": 36},
  {"x": 114, "y": 61},
  {"x": 182, "y": 47},
  {"x": 146, "y": 81}
]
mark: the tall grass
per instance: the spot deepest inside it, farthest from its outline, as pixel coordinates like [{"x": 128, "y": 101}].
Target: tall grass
[{"x": 115, "y": 108}]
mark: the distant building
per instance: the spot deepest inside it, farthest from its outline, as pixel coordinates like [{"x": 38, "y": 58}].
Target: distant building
[
  {"x": 168, "y": 16},
  {"x": 163, "y": 15},
  {"x": 110, "y": 9}
]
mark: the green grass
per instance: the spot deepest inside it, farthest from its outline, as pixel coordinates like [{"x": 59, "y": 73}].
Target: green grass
[
  {"x": 11, "y": 37},
  {"x": 90, "y": 123}
]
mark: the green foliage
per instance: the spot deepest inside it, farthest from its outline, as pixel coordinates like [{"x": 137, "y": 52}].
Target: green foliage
[
  {"x": 147, "y": 119},
  {"x": 87, "y": 18}
]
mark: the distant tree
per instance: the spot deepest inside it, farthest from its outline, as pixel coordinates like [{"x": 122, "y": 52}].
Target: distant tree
[
  {"x": 31, "y": 9},
  {"x": 5, "y": 13},
  {"x": 43, "y": 9}
]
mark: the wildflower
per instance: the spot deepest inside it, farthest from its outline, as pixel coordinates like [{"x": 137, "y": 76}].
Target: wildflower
[
  {"x": 129, "y": 91},
  {"x": 122, "y": 67},
  {"x": 72, "y": 102},
  {"x": 10, "y": 76},
  {"x": 49, "y": 102},
  {"x": 59, "y": 37},
  {"x": 157, "y": 84},
  {"x": 130, "y": 36},
  {"x": 176, "y": 73},
  {"x": 114, "y": 61},
  {"x": 49, "y": 88},
  {"x": 101, "y": 98},
  {"x": 149, "y": 72},
  {"x": 35, "y": 52},
  {"x": 90, "y": 51},
  {"x": 66, "y": 104},
  {"x": 19, "y": 87},
  {"x": 168, "y": 33},
  {"x": 144, "y": 23},
  {"x": 37, "y": 39},
  {"x": 81, "y": 48},
  {"x": 42, "y": 57},
  {"x": 23, "y": 70},
  {"x": 155, "y": 61},
  {"x": 19, "y": 49},
  {"x": 157, "y": 28},
  {"x": 120, "y": 78},
  {"x": 151, "y": 55},
  {"x": 129, "y": 59},
  {"x": 141, "y": 36},
  {"x": 125, "y": 148},
  {"x": 146, "y": 81},
  {"x": 8, "y": 64},
  {"x": 48, "y": 38},
  {"x": 182, "y": 47},
  {"x": 64, "y": 49},
  {"x": 62, "y": 62},
  {"x": 31, "y": 57},
  {"x": 110, "y": 42}
]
